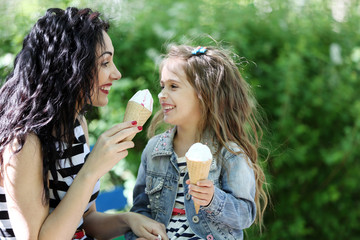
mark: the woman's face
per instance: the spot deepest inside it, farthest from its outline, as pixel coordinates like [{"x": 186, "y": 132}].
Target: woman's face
[{"x": 107, "y": 73}]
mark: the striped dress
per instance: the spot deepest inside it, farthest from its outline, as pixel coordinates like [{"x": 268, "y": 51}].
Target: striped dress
[
  {"x": 66, "y": 174},
  {"x": 178, "y": 228}
]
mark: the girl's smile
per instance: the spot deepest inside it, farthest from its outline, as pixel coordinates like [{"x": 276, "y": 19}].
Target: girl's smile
[
  {"x": 167, "y": 107},
  {"x": 178, "y": 99}
]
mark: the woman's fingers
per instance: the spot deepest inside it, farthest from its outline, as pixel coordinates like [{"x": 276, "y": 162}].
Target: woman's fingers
[
  {"x": 121, "y": 146},
  {"x": 147, "y": 228},
  {"x": 118, "y": 127},
  {"x": 111, "y": 147},
  {"x": 125, "y": 133},
  {"x": 156, "y": 231}
]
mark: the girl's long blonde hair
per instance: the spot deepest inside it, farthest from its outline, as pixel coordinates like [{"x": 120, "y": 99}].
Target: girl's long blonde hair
[{"x": 227, "y": 104}]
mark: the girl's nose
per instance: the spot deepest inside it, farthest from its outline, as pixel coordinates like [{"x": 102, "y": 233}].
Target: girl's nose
[{"x": 162, "y": 94}]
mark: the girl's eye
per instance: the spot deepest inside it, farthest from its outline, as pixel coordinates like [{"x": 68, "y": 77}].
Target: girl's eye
[
  {"x": 162, "y": 87},
  {"x": 105, "y": 64},
  {"x": 173, "y": 86}
]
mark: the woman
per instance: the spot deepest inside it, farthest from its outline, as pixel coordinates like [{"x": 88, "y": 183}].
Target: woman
[{"x": 49, "y": 179}]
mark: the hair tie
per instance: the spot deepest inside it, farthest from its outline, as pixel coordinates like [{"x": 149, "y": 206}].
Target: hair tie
[{"x": 198, "y": 51}]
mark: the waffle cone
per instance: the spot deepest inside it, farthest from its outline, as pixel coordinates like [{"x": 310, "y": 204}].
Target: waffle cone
[
  {"x": 136, "y": 112},
  {"x": 198, "y": 170}
]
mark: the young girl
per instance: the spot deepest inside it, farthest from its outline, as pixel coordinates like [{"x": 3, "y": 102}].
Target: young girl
[{"x": 204, "y": 96}]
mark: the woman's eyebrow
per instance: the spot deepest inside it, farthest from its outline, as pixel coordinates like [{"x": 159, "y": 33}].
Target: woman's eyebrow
[{"x": 107, "y": 52}]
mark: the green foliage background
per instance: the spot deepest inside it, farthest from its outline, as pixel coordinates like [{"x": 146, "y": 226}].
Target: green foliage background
[{"x": 302, "y": 59}]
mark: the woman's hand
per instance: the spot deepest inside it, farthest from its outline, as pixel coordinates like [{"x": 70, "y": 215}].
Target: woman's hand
[
  {"x": 202, "y": 193},
  {"x": 146, "y": 228},
  {"x": 110, "y": 148}
]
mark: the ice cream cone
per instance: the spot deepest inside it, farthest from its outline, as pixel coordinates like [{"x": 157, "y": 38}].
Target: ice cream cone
[
  {"x": 136, "y": 112},
  {"x": 198, "y": 170}
]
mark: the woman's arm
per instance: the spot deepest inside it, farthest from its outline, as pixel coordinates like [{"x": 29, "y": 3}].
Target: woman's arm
[
  {"x": 107, "y": 226},
  {"x": 23, "y": 185}
]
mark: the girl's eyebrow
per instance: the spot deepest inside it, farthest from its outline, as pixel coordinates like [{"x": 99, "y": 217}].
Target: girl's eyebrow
[
  {"x": 107, "y": 52},
  {"x": 171, "y": 80}
]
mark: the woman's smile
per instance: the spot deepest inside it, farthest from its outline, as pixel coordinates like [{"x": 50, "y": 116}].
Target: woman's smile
[{"x": 106, "y": 88}]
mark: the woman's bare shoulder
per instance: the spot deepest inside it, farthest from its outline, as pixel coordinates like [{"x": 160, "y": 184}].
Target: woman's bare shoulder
[{"x": 30, "y": 149}]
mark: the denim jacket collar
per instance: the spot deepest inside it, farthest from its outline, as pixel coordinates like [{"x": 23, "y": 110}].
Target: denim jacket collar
[{"x": 164, "y": 145}]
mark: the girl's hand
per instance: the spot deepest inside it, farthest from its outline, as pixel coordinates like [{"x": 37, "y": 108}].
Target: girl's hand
[
  {"x": 110, "y": 148},
  {"x": 202, "y": 193}
]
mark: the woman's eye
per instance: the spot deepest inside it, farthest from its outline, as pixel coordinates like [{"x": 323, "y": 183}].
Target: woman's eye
[
  {"x": 173, "y": 86},
  {"x": 105, "y": 64}
]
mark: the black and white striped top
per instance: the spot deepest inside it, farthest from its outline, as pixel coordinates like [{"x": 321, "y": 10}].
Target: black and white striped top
[
  {"x": 66, "y": 174},
  {"x": 178, "y": 228}
]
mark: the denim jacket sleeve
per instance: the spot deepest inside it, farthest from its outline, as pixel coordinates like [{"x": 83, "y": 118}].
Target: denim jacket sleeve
[
  {"x": 233, "y": 203},
  {"x": 141, "y": 200}
]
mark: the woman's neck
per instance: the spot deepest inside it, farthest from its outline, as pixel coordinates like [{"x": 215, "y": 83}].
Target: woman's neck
[{"x": 184, "y": 138}]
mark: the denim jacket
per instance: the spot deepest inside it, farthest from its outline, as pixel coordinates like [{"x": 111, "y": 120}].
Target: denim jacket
[{"x": 231, "y": 209}]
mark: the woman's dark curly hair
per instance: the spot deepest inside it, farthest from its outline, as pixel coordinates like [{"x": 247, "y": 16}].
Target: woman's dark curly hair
[{"x": 53, "y": 75}]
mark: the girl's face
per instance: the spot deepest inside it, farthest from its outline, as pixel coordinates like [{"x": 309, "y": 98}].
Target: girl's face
[
  {"x": 178, "y": 98},
  {"x": 107, "y": 73}
]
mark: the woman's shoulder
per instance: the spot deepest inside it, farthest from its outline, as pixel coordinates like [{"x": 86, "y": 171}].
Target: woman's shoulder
[
  {"x": 83, "y": 123},
  {"x": 30, "y": 150},
  {"x": 31, "y": 142}
]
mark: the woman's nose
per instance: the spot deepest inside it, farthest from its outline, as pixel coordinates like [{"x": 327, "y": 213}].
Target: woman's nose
[{"x": 115, "y": 75}]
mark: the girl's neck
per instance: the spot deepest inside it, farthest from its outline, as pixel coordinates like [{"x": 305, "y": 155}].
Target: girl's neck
[{"x": 184, "y": 138}]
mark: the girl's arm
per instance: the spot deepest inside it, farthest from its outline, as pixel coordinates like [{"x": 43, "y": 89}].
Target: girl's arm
[
  {"x": 23, "y": 184},
  {"x": 233, "y": 204},
  {"x": 141, "y": 200}
]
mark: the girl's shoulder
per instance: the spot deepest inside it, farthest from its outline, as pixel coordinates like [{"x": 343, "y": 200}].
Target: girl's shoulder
[
  {"x": 237, "y": 152},
  {"x": 153, "y": 140},
  {"x": 164, "y": 139},
  {"x": 235, "y": 159},
  {"x": 168, "y": 135}
]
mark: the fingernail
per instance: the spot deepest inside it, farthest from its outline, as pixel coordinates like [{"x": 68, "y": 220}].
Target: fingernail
[
  {"x": 134, "y": 122},
  {"x": 140, "y": 128}
]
